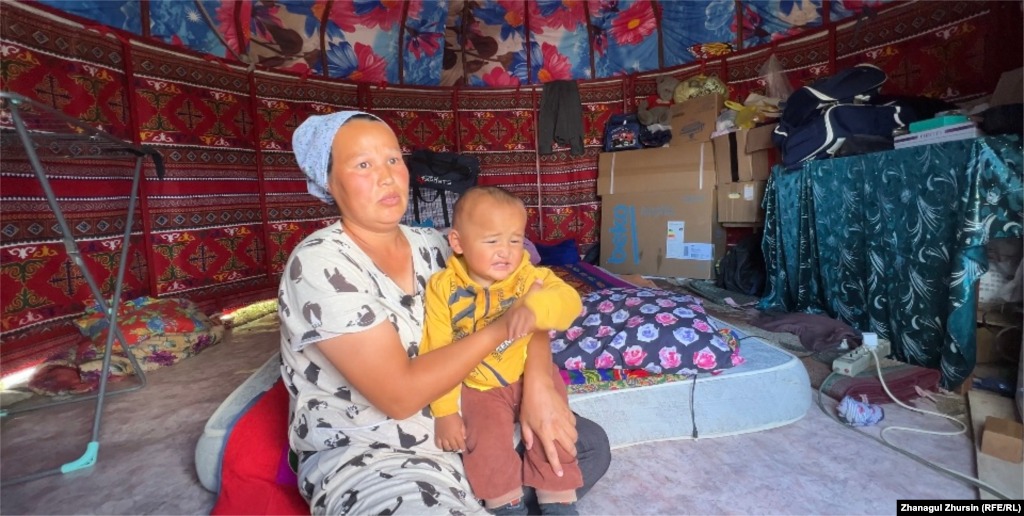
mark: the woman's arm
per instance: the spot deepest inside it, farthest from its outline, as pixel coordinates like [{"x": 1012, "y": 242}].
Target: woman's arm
[
  {"x": 544, "y": 414},
  {"x": 376, "y": 363}
]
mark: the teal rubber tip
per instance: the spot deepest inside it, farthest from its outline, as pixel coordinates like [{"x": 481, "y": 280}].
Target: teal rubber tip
[{"x": 87, "y": 460}]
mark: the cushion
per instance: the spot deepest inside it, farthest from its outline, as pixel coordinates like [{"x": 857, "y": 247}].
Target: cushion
[
  {"x": 563, "y": 253},
  {"x": 142, "y": 318},
  {"x": 638, "y": 328},
  {"x": 532, "y": 249},
  {"x": 255, "y": 477}
]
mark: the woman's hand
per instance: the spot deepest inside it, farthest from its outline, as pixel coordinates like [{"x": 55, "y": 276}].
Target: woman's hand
[
  {"x": 545, "y": 415},
  {"x": 520, "y": 319},
  {"x": 450, "y": 433}
]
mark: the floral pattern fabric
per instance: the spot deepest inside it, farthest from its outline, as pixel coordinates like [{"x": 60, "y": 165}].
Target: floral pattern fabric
[
  {"x": 635, "y": 328},
  {"x": 584, "y": 381},
  {"x": 894, "y": 243},
  {"x": 160, "y": 333},
  {"x": 625, "y": 37},
  {"x": 143, "y": 318},
  {"x": 483, "y": 42}
]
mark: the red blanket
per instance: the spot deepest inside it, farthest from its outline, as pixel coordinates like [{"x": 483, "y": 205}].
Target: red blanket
[
  {"x": 255, "y": 476},
  {"x": 902, "y": 380}
]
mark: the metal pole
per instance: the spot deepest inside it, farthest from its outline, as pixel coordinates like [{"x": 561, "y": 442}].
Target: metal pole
[
  {"x": 89, "y": 457},
  {"x": 115, "y": 302}
]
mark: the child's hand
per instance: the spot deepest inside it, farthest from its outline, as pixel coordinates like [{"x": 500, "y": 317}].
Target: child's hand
[
  {"x": 450, "y": 433},
  {"x": 536, "y": 287}
]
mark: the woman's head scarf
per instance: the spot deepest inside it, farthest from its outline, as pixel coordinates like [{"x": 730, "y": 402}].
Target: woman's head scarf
[{"x": 311, "y": 144}]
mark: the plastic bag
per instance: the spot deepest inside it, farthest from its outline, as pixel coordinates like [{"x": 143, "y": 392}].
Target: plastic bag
[
  {"x": 726, "y": 121},
  {"x": 699, "y": 86},
  {"x": 777, "y": 83},
  {"x": 746, "y": 116},
  {"x": 769, "y": 107}
]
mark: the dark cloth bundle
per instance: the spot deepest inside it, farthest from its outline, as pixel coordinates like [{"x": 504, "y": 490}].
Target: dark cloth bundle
[{"x": 816, "y": 332}]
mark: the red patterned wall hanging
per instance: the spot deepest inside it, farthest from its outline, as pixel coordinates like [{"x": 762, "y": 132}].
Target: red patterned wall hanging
[
  {"x": 222, "y": 223},
  {"x": 282, "y": 105},
  {"x": 206, "y": 213},
  {"x": 498, "y": 127},
  {"x": 81, "y": 74}
]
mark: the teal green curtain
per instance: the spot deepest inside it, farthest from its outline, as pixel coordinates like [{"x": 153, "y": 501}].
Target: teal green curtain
[{"x": 894, "y": 242}]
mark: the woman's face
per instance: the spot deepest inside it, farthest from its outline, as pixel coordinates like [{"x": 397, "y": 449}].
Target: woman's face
[{"x": 368, "y": 178}]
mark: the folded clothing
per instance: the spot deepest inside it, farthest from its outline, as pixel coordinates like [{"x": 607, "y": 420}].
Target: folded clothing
[{"x": 859, "y": 413}]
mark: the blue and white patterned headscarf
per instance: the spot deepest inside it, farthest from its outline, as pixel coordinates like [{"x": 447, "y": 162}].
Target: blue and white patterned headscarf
[{"x": 311, "y": 144}]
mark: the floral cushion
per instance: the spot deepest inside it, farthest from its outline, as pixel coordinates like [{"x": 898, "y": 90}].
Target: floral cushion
[
  {"x": 160, "y": 333},
  {"x": 143, "y": 318},
  {"x": 637, "y": 328}
]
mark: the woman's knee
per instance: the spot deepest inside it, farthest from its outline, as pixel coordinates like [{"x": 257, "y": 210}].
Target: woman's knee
[{"x": 593, "y": 452}]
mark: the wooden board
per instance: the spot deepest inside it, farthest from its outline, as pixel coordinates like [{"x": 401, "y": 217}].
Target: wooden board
[{"x": 1005, "y": 476}]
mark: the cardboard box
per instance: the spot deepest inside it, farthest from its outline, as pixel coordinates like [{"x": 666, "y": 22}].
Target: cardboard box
[
  {"x": 671, "y": 233},
  {"x": 745, "y": 155},
  {"x": 678, "y": 166},
  {"x": 995, "y": 344},
  {"x": 1003, "y": 439},
  {"x": 966, "y": 386},
  {"x": 741, "y": 202},
  {"x": 939, "y": 135},
  {"x": 1009, "y": 89},
  {"x": 694, "y": 120}
]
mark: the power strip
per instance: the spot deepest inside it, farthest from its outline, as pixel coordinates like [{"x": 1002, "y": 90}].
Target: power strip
[{"x": 856, "y": 361}]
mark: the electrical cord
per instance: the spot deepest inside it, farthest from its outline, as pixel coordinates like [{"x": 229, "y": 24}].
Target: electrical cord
[
  {"x": 693, "y": 412},
  {"x": 881, "y": 439}
]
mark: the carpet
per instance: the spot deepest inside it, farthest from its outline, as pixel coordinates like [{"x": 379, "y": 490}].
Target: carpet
[
  {"x": 586, "y": 278},
  {"x": 148, "y": 442}
]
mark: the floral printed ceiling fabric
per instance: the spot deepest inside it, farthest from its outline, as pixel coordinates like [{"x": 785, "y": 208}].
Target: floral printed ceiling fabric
[{"x": 491, "y": 43}]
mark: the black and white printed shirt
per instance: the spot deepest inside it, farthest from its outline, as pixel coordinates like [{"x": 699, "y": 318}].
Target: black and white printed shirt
[{"x": 330, "y": 287}]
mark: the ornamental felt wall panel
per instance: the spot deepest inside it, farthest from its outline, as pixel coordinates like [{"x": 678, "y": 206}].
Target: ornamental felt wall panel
[{"x": 219, "y": 228}]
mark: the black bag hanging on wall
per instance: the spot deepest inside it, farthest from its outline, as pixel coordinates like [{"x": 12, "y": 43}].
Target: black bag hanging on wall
[{"x": 436, "y": 180}]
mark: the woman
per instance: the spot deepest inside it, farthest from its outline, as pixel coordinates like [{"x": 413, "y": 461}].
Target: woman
[{"x": 351, "y": 306}]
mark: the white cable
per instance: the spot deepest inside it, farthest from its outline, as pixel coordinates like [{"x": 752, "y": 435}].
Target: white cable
[
  {"x": 956, "y": 476},
  {"x": 963, "y": 429}
]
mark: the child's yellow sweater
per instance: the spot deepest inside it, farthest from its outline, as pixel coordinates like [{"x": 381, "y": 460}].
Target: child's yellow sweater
[{"x": 457, "y": 306}]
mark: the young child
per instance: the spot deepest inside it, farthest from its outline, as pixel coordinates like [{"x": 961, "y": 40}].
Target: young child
[{"x": 488, "y": 275}]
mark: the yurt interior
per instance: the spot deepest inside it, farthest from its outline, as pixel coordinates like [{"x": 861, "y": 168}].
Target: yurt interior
[{"x": 774, "y": 246}]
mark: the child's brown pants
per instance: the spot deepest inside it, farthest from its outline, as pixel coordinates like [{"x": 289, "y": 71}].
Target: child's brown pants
[{"x": 492, "y": 465}]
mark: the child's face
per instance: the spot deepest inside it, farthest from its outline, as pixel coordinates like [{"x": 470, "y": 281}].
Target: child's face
[{"x": 491, "y": 239}]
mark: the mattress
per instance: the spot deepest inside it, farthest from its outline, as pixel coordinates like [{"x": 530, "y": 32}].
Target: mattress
[{"x": 771, "y": 389}]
